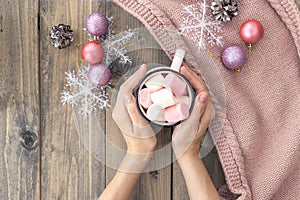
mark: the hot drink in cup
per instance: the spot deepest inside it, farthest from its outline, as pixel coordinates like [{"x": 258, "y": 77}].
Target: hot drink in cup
[{"x": 164, "y": 96}]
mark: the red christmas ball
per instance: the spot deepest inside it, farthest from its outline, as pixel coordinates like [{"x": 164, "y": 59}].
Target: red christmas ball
[
  {"x": 92, "y": 52},
  {"x": 251, "y": 31}
]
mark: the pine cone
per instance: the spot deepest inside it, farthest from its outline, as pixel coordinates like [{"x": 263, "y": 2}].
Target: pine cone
[
  {"x": 224, "y": 10},
  {"x": 61, "y": 36}
]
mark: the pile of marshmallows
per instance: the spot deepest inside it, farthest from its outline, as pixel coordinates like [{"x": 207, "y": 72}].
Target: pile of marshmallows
[{"x": 164, "y": 98}]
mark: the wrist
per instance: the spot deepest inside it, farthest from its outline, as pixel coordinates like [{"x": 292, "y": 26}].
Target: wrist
[
  {"x": 135, "y": 163},
  {"x": 143, "y": 150},
  {"x": 188, "y": 158},
  {"x": 192, "y": 151}
]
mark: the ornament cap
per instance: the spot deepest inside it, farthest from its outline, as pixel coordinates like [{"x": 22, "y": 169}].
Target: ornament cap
[{"x": 237, "y": 70}]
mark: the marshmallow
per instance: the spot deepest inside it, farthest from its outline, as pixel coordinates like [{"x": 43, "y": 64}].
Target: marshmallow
[
  {"x": 155, "y": 83},
  {"x": 183, "y": 99},
  {"x": 163, "y": 97},
  {"x": 176, "y": 113},
  {"x": 177, "y": 85},
  {"x": 156, "y": 113},
  {"x": 144, "y": 97}
]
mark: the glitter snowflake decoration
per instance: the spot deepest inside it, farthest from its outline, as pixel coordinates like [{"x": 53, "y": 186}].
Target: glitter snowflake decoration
[
  {"x": 115, "y": 46},
  {"x": 79, "y": 92},
  {"x": 201, "y": 27}
]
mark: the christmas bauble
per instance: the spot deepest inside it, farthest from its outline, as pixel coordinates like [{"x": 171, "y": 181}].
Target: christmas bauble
[
  {"x": 92, "y": 52},
  {"x": 251, "y": 31},
  {"x": 234, "y": 57},
  {"x": 97, "y": 24},
  {"x": 99, "y": 75}
]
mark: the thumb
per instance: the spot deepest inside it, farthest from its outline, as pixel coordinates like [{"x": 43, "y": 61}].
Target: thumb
[
  {"x": 191, "y": 125},
  {"x": 134, "y": 114},
  {"x": 198, "y": 110}
]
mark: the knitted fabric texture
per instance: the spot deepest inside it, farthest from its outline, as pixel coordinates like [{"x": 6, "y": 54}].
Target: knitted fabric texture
[{"x": 259, "y": 147}]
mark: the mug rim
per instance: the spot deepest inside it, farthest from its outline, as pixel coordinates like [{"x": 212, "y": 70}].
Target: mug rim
[{"x": 155, "y": 70}]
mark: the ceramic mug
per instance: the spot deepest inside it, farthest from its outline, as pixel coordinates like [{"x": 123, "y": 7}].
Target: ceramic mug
[{"x": 164, "y": 71}]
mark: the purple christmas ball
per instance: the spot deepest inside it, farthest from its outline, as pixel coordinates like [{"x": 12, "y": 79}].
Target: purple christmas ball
[
  {"x": 99, "y": 75},
  {"x": 234, "y": 57},
  {"x": 97, "y": 24}
]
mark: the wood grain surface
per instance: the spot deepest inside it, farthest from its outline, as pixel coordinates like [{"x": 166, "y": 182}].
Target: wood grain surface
[
  {"x": 47, "y": 151},
  {"x": 68, "y": 169},
  {"x": 19, "y": 100},
  {"x": 156, "y": 184}
]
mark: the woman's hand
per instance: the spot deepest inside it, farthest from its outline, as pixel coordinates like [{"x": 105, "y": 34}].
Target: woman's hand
[
  {"x": 187, "y": 136},
  {"x": 186, "y": 142},
  {"x": 139, "y": 137},
  {"x": 136, "y": 130}
]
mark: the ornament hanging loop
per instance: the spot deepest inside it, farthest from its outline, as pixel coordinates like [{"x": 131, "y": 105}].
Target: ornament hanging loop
[{"x": 262, "y": 59}]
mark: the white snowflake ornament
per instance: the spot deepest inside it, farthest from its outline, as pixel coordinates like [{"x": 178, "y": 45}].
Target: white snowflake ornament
[
  {"x": 115, "y": 45},
  {"x": 200, "y": 26},
  {"x": 79, "y": 92}
]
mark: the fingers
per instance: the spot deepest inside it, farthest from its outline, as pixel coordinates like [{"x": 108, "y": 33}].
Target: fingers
[
  {"x": 134, "y": 79},
  {"x": 198, "y": 110},
  {"x": 140, "y": 126},
  {"x": 120, "y": 114},
  {"x": 187, "y": 136},
  {"x": 200, "y": 105},
  {"x": 206, "y": 118},
  {"x": 134, "y": 114},
  {"x": 196, "y": 82}
]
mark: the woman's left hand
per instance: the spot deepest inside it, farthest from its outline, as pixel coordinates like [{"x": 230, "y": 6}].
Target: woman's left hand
[{"x": 187, "y": 136}]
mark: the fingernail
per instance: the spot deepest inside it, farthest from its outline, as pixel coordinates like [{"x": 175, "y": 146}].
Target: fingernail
[
  {"x": 202, "y": 98},
  {"x": 143, "y": 66},
  {"x": 128, "y": 98}
]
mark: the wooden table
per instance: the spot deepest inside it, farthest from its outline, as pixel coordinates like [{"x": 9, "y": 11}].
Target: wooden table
[{"x": 41, "y": 154}]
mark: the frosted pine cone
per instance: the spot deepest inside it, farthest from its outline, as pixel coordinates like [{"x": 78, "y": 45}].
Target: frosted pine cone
[
  {"x": 224, "y": 10},
  {"x": 61, "y": 36}
]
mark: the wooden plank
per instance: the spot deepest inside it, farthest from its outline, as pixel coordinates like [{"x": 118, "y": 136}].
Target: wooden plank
[
  {"x": 19, "y": 98},
  {"x": 70, "y": 167},
  {"x": 213, "y": 167},
  {"x": 298, "y": 3},
  {"x": 179, "y": 191},
  {"x": 155, "y": 185}
]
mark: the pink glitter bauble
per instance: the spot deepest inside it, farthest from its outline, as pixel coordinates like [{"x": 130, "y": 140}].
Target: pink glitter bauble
[
  {"x": 97, "y": 24},
  {"x": 99, "y": 75},
  {"x": 234, "y": 57}
]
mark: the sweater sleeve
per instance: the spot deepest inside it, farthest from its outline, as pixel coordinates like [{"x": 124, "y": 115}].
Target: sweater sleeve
[
  {"x": 225, "y": 193},
  {"x": 231, "y": 159}
]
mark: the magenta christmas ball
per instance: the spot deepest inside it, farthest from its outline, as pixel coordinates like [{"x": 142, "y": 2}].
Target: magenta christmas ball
[
  {"x": 99, "y": 75},
  {"x": 97, "y": 24},
  {"x": 234, "y": 57}
]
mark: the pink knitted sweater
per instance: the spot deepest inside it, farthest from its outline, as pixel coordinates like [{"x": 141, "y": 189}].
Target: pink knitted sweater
[{"x": 259, "y": 146}]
